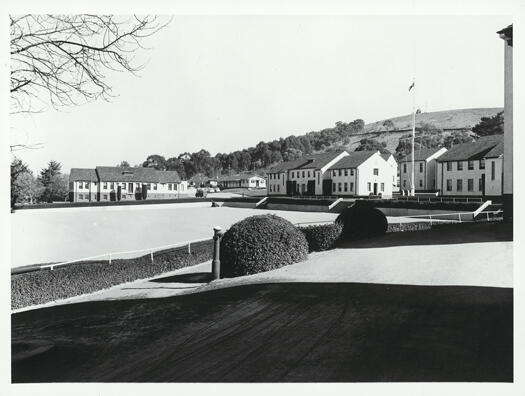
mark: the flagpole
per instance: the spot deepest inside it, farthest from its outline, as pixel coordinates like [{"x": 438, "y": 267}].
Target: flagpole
[{"x": 412, "y": 189}]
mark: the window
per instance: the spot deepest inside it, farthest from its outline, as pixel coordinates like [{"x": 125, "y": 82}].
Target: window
[
  {"x": 382, "y": 187},
  {"x": 449, "y": 166},
  {"x": 351, "y": 186},
  {"x": 155, "y": 186},
  {"x": 480, "y": 184},
  {"x": 124, "y": 196},
  {"x": 404, "y": 183},
  {"x": 105, "y": 186},
  {"x": 340, "y": 172},
  {"x": 80, "y": 196},
  {"x": 420, "y": 182},
  {"x": 459, "y": 185},
  {"x": 449, "y": 184},
  {"x": 376, "y": 171},
  {"x": 86, "y": 185},
  {"x": 346, "y": 187},
  {"x": 470, "y": 185},
  {"x": 123, "y": 186},
  {"x": 369, "y": 185},
  {"x": 292, "y": 175},
  {"x": 308, "y": 173},
  {"x": 404, "y": 168},
  {"x": 106, "y": 197},
  {"x": 493, "y": 170},
  {"x": 340, "y": 187},
  {"x": 80, "y": 185},
  {"x": 334, "y": 173},
  {"x": 420, "y": 167},
  {"x": 303, "y": 173},
  {"x": 334, "y": 187},
  {"x": 481, "y": 164},
  {"x": 112, "y": 186},
  {"x": 170, "y": 187},
  {"x": 346, "y": 172},
  {"x": 318, "y": 177},
  {"x": 460, "y": 165},
  {"x": 471, "y": 165},
  {"x": 351, "y": 172},
  {"x": 278, "y": 187}
]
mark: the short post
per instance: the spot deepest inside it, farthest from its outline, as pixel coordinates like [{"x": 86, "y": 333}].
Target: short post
[
  {"x": 110, "y": 258},
  {"x": 488, "y": 216},
  {"x": 459, "y": 215},
  {"x": 151, "y": 255},
  {"x": 216, "y": 262},
  {"x": 430, "y": 217},
  {"x": 189, "y": 247}
]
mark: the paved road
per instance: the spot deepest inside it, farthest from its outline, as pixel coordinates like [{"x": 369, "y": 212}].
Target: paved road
[{"x": 274, "y": 332}]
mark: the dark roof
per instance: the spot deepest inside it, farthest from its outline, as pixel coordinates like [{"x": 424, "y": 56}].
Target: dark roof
[
  {"x": 83, "y": 174},
  {"x": 310, "y": 161},
  {"x": 496, "y": 152},
  {"x": 238, "y": 177},
  {"x": 128, "y": 174},
  {"x": 472, "y": 151},
  {"x": 506, "y": 34},
  {"x": 420, "y": 154},
  {"x": 353, "y": 160},
  {"x": 386, "y": 155}
]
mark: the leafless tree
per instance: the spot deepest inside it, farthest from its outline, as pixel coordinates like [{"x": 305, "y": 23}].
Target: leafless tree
[{"x": 65, "y": 58}]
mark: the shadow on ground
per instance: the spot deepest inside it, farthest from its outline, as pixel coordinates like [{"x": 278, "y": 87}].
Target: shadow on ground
[
  {"x": 193, "y": 277},
  {"x": 286, "y": 332},
  {"x": 438, "y": 235}
]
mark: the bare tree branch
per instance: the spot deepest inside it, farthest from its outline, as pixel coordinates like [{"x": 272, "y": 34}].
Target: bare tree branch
[{"x": 65, "y": 57}]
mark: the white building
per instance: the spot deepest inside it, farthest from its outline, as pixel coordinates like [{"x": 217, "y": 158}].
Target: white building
[
  {"x": 472, "y": 169},
  {"x": 362, "y": 173},
  {"x": 424, "y": 169},
  {"x": 242, "y": 181},
  {"x": 106, "y": 183},
  {"x": 304, "y": 176},
  {"x": 389, "y": 158}
]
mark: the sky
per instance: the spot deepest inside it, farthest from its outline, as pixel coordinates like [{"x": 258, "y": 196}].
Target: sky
[{"x": 225, "y": 83}]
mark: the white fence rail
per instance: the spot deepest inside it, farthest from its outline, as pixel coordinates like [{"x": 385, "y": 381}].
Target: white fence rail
[
  {"x": 128, "y": 254},
  {"x": 462, "y": 217}
]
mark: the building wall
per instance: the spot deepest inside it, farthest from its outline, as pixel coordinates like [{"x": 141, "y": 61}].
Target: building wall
[
  {"x": 393, "y": 169},
  {"x": 301, "y": 177},
  {"x": 492, "y": 187},
  {"x": 405, "y": 175},
  {"x": 276, "y": 184},
  {"x": 344, "y": 179},
  {"x": 365, "y": 175},
  {"x": 83, "y": 191}
]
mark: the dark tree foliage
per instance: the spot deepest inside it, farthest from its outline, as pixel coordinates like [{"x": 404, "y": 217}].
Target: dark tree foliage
[
  {"x": 368, "y": 144},
  {"x": 55, "y": 187},
  {"x": 490, "y": 125},
  {"x": 362, "y": 221},
  {"x": 18, "y": 168}
]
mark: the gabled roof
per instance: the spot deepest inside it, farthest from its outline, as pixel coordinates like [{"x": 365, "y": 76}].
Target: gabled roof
[
  {"x": 124, "y": 174},
  {"x": 420, "y": 154},
  {"x": 496, "y": 152},
  {"x": 386, "y": 155},
  {"x": 353, "y": 160},
  {"x": 168, "y": 176},
  {"x": 472, "y": 151},
  {"x": 310, "y": 161},
  {"x": 83, "y": 174}
]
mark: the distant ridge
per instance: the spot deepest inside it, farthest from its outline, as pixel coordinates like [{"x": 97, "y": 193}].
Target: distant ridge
[{"x": 447, "y": 119}]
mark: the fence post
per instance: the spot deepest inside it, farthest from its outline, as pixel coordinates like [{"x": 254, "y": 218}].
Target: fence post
[
  {"x": 109, "y": 258},
  {"x": 151, "y": 255},
  {"x": 459, "y": 215},
  {"x": 216, "y": 262},
  {"x": 430, "y": 217},
  {"x": 488, "y": 216},
  {"x": 189, "y": 247}
]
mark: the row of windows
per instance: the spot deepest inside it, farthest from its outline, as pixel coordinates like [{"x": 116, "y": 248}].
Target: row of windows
[
  {"x": 275, "y": 176},
  {"x": 297, "y": 174},
  {"x": 420, "y": 183},
  {"x": 124, "y": 186},
  {"x": 420, "y": 167},
  {"x": 339, "y": 172},
  {"x": 470, "y": 165},
  {"x": 470, "y": 184},
  {"x": 339, "y": 187},
  {"x": 274, "y": 188}
]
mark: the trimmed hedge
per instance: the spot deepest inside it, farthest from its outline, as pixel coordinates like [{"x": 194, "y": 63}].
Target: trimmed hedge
[
  {"x": 362, "y": 221},
  {"x": 261, "y": 243},
  {"x": 405, "y": 227},
  {"x": 322, "y": 236},
  {"x": 80, "y": 278},
  {"x": 429, "y": 205}
]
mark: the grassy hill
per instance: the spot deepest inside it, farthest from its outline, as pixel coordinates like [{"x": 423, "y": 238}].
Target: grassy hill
[{"x": 448, "y": 120}]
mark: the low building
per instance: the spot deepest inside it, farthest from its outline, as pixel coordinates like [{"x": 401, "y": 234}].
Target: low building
[
  {"x": 472, "y": 169},
  {"x": 105, "y": 183},
  {"x": 242, "y": 181},
  {"x": 361, "y": 173},
  {"x": 306, "y": 175},
  {"x": 424, "y": 169}
]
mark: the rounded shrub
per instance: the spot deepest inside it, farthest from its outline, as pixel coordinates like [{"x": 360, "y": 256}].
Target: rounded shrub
[
  {"x": 322, "y": 236},
  {"x": 362, "y": 222},
  {"x": 261, "y": 243}
]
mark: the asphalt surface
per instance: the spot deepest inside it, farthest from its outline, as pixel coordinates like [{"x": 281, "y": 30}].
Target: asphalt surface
[{"x": 285, "y": 332}]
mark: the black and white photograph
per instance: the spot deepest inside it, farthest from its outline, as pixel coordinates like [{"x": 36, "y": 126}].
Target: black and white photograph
[{"x": 281, "y": 197}]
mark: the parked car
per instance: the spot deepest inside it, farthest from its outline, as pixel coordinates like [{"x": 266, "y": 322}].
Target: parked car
[{"x": 200, "y": 193}]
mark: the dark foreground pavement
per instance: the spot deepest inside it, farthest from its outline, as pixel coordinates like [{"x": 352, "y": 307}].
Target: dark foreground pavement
[{"x": 274, "y": 333}]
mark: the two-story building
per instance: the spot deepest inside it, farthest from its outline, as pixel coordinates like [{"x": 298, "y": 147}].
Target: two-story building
[
  {"x": 107, "y": 183},
  {"x": 424, "y": 169},
  {"x": 304, "y": 176},
  {"x": 472, "y": 169},
  {"x": 361, "y": 173},
  {"x": 394, "y": 170}
]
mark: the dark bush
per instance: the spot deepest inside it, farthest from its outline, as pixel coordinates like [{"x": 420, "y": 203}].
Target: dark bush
[
  {"x": 261, "y": 243},
  {"x": 322, "y": 236},
  {"x": 412, "y": 226},
  {"x": 362, "y": 221}
]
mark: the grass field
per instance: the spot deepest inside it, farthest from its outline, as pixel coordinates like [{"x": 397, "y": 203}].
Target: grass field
[
  {"x": 300, "y": 332},
  {"x": 72, "y": 233}
]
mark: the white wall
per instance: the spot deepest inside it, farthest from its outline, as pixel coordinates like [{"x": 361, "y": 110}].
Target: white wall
[
  {"x": 366, "y": 175},
  {"x": 492, "y": 187}
]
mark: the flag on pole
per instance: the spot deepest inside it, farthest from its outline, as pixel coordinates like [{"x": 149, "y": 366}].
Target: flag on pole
[
  {"x": 412, "y": 86},
  {"x": 418, "y": 111}
]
